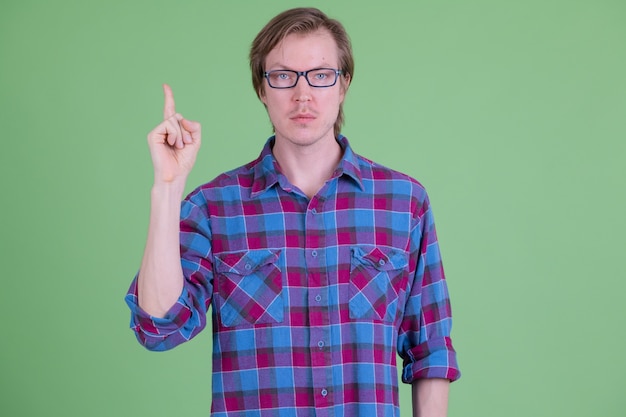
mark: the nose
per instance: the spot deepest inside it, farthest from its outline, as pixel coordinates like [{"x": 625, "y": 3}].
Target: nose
[{"x": 302, "y": 90}]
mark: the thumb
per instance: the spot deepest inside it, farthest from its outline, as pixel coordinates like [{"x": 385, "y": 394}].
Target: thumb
[{"x": 194, "y": 128}]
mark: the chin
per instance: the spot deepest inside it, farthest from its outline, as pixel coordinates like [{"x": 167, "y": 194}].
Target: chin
[
  {"x": 304, "y": 136},
  {"x": 303, "y": 139}
]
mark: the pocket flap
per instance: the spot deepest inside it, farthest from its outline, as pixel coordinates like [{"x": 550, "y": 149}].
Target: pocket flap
[
  {"x": 243, "y": 263},
  {"x": 381, "y": 259}
]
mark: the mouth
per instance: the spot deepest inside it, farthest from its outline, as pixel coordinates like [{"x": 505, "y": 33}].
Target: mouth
[{"x": 303, "y": 118}]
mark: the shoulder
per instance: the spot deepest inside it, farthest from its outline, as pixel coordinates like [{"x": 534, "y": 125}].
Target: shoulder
[
  {"x": 231, "y": 182},
  {"x": 382, "y": 177},
  {"x": 392, "y": 189}
]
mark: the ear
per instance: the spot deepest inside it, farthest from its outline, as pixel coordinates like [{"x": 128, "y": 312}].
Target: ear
[
  {"x": 345, "y": 84},
  {"x": 347, "y": 79},
  {"x": 262, "y": 97}
]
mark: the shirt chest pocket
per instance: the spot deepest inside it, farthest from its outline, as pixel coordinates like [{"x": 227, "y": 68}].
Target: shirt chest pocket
[
  {"x": 249, "y": 287},
  {"x": 377, "y": 278}
]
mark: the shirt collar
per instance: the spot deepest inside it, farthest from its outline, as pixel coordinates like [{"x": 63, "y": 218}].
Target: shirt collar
[{"x": 267, "y": 172}]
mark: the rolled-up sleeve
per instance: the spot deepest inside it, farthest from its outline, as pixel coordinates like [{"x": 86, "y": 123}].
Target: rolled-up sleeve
[
  {"x": 424, "y": 341},
  {"x": 187, "y": 317}
]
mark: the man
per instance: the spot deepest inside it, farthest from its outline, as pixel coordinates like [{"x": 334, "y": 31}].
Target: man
[{"x": 319, "y": 264}]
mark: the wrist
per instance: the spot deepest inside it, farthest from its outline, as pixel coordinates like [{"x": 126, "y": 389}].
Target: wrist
[{"x": 168, "y": 190}]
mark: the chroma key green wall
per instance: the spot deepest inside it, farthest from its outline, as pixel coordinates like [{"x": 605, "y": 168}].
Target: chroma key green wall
[{"x": 511, "y": 113}]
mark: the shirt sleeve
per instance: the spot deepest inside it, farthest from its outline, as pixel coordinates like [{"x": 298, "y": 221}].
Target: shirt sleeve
[
  {"x": 424, "y": 341},
  {"x": 187, "y": 317}
]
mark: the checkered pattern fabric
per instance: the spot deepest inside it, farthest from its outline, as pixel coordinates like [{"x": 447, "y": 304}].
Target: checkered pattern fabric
[{"x": 312, "y": 298}]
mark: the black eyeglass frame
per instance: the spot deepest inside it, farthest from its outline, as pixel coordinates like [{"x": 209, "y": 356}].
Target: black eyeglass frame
[{"x": 304, "y": 74}]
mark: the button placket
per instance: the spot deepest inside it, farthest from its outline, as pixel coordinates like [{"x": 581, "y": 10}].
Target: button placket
[{"x": 318, "y": 312}]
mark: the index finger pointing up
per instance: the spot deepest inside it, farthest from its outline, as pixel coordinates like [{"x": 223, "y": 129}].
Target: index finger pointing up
[{"x": 170, "y": 108}]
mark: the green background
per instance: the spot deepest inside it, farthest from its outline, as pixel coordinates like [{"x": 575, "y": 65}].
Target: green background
[{"x": 511, "y": 113}]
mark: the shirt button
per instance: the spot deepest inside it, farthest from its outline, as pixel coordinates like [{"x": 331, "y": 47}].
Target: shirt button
[
  {"x": 324, "y": 393},
  {"x": 320, "y": 344},
  {"x": 318, "y": 298},
  {"x": 248, "y": 267},
  {"x": 314, "y": 253},
  {"x": 381, "y": 262},
  {"x": 314, "y": 211}
]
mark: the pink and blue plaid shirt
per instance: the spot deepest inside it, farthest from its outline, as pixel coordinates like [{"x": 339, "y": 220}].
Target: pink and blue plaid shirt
[{"x": 312, "y": 298}]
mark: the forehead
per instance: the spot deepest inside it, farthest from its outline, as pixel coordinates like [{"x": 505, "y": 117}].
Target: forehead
[{"x": 304, "y": 51}]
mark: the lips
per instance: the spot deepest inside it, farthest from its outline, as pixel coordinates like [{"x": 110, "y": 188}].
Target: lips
[{"x": 303, "y": 117}]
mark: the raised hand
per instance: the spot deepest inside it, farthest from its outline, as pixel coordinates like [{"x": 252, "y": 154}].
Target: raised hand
[{"x": 174, "y": 144}]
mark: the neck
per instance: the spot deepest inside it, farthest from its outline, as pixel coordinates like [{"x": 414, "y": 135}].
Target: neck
[{"x": 308, "y": 167}]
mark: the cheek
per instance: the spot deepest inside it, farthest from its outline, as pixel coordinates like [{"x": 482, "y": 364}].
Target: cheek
[
  {"x": 272, "y": 100},
  {"x": 273, "y": 111}
]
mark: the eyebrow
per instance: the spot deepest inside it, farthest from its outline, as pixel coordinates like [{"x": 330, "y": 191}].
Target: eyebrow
[{"x": 279, "y": 66}]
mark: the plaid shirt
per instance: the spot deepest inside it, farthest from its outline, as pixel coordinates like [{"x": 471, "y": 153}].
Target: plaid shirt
[{"x": 311, "y": 297}]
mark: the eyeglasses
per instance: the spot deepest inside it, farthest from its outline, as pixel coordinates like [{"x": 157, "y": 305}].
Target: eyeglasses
[{"x": 318, "y": 77}]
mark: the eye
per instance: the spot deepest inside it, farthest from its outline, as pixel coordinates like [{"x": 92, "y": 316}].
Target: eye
[{"x": 281, "y": 76}]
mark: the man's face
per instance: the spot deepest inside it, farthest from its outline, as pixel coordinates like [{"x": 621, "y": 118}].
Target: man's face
[{"x": 304, "y": 115}]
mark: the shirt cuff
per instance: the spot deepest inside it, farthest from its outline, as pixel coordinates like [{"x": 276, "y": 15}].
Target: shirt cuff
[
  {"x": 435, "y": 358},
  {"x": 151, "y": 326}
]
